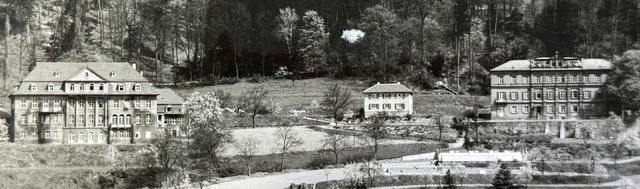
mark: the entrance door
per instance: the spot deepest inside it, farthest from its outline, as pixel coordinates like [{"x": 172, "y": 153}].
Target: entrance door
[
  {"x": 500, "y": 111},
  {"x": 537, "y": 112}
]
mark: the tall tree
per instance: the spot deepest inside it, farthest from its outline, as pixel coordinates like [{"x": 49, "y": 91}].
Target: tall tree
[
  {"x": 381, "y": 24},
  {"x": 624, "y": 80},
  {"x": 557, "y": 28},
  {"x": 286, "y": 30},
  {"x": 503, "y": 178},
  {"x": 287, "y": 139},
  {"x": 248, "y": 148},
  {"x": 336, "y": 143},
  {"x": 313, "y": 41},
  {"x": 376, "y": 133}
]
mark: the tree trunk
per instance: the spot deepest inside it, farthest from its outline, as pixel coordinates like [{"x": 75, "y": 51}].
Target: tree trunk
[{"x": 282, "y": 161}]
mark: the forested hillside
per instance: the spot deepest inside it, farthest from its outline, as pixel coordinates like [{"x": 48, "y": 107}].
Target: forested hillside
[{"x": 415, "y": 41}]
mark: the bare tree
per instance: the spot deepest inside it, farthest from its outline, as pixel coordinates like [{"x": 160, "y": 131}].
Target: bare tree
[
  {"x": 337, "y": 143},
  {"x": 288, "y": 139},
  {"x": 253, "y": 103},
  {"x": 337, "y": 99},
  {"x": 224, "y": 98},
  {"x": 248, "y": 148},
  {"x": 168, "y": 152},
  {"x": 376, "y": 133}
]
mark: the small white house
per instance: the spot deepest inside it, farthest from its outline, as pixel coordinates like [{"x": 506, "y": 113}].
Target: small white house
[{"x": 393, "y": 98}]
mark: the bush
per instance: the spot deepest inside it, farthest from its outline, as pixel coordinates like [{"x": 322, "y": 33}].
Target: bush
[
  {"x": 257, "y": 78},
  {"x": 228, "y": 81}
]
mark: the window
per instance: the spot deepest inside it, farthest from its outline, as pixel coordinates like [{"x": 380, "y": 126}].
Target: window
[
  {"x": 513, "y": 80},
  {"x": 72, "y": 119},
  {"x": 23, "y": 134},
  {"x": 101, "y": 87},
  {"x": 81, "y": 119},
  {"x": 500, "y": 111},
  {"x": 137, "y": 135},
  {"x": 45, "y": 103},
  {"x": 23, "y": 103},
  {"x": 47, "y": 134},
  {"x": 373, "y": 106},
  {"x": 91, "y": 103},
  {"x": 81, "y": 104},
  {"x": 56, "y": 74},
  {"x": 537, "y": 95},
  {"x": 114, "y": 119},
  {"x": 386, "y": 106},
  {"x": 148, "y": 105},
  {"x": 81, "y": 88},
  {"x": 34, "y": 119},
  {"x": 550, "y": 108},
  {"x": 525, "y": 95},
  {"x": 525, "y": 109},
  {"x": 137, "y": 87},
  {"x": 55, "y": 134},
  {"x": 147, "y": 134},
  {"x": 72, "y": 87},
  {"x": 34, "y": 104},
  {"x": 46, "y": 119},
  {"x": 91, "y": 87},
  {"x": 587, "y": 95},
  {"x": 514, "y": 109},
  {"x": 81, "y": 137},
  {"x": 169, "y": 108},
  {"x": 34, "y": 135},
  {"x": 100, "y": 136},
  {"x": 120, "y": 87},
  {"x": 500, "y": 80},
  {"x": 372, "y": 96},
  {"x": 100, "y": 103},
  {"x": 514, "y": 95},
  {"x": 525, "y": 80},
  {"x": 563, "y": 108},
  {"x": 90, "y": 137},
  {"x": 56, "y": 103},
  {"x": 574, "y": 108},
  {"x": 100, "y": 119},
  {"x": 127, "y": 120},
  {"x": 116, "y": 104},
  {"x": 564, "y": 79},
  {"x": 598, "y": 94},
  {"x": 33, "y": 87},
  {"x": 136, "y": 103},
  {"x": 562, "y": 94},
  {"x": 72, "y": 103},
  {"x": 399, "y": 106},
  {"x": 534, "y": 79},
  {"x": 502, "y": 95},
  {"x": 121, "y": 120},
  {"x": 112, "y": 74},
  {"x": 598, "y": 79},
  {"x": 55, "y": 119},
  {"x": 23, "y": 119},
  {"x": 50, "y": 87},
  {"x": 138, "y": 119},
  {"x": 72, "y": 137},
  {"x": 147, "y": 118},
  {"x": 574, "y": 94},
  {"x": 549, "y": 94},
  {"x": 585, "y": 79},
  {"x": 570, "y": 78},
  {"x": 386, "y": 95},
  {"x": 90, "y": 119}
]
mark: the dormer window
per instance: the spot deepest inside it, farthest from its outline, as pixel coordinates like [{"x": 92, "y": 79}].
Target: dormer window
[
  {"x": 91, "y": 87},
  {"x": 101, "y": 87},
  {"x": 86, "y": 74},
  {"x": 33, "y": 87},
  {"x": 137, "y": 87},
  {"x": 112, "y": 74},
  {"x": 120, "y": 87},
  {"x": 50, "y": 87},
  {"x": 72, "y": 87},
  {"x": 169, "y": 108},
  {"x": 56, "y": 74},
  {"x": 82, "y": 87}
]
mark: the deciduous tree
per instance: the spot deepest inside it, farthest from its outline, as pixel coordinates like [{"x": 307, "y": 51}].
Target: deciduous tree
[
  {"x": 253, "y": 102},
  {"x": 336, "y": 143},
  {"x": 168, "y": 152},
  {"x": 449, "y": 181},
  {"x": 337, "y": 99},
  {"x": 313, "y": 41},
  {"x": 248, "y": 148},
  {"x": 376, "y": 133},
  {"x": 287, "y": 139}
]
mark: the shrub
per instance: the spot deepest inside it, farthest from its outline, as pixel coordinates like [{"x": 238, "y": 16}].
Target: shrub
[
  {"x": 257, "y": 78},
  {"x": 228, "y": 81}
]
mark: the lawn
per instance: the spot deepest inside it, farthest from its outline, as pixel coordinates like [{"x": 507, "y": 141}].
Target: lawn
[
  {"x": 305, "y": 91},
  {"x": 50, "y": 178}
]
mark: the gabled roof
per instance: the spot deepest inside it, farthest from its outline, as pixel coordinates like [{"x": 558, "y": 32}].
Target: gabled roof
[
  {"x": 168, "y": 96},
  {"x": 387, "y": 88},
  {"x": 44, "y": 71},
  {"x": 524, "y": 65}
]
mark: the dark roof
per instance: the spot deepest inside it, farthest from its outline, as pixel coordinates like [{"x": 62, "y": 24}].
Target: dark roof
[
  {"x": 168, "y": 96},
  {"x": 385, "y": 88},
  {"x": 523, "y": 65},
  {"x": 44, "y": 71}
]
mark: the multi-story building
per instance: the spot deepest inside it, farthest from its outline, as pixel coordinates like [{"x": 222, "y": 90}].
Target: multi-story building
[
  {"x": 550, "y": 88},
  {"x": 393, "y": 98},
  {"x": 73, "y": 102},
  {"x": 170, "y": 112}
]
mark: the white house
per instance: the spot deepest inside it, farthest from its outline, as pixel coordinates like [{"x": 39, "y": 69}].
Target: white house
[{"x": 393, "y": 98}]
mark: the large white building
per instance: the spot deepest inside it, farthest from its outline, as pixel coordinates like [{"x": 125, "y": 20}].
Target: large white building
[{"x": 392, "y": 98}]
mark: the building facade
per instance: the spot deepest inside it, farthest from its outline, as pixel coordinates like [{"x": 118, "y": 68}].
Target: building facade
[
  {"x": 170, "y": 113},
  {"x": 550, "y": 88},
  {"x": 84, "y": 103},
  {"x": 394, "y": 99}
]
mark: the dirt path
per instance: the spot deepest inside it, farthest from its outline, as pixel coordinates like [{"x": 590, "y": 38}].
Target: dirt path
[{"x": 284, "y": 180}]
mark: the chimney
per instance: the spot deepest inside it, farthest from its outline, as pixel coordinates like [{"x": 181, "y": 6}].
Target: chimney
[
  {"x": 134, "y": 66},
  {"x": 141, "y": 73}
]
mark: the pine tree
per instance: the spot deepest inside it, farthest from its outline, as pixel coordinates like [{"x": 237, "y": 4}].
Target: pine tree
[
  {"x": 449, "y": 181},
  {"x": 503, "y": 177}
]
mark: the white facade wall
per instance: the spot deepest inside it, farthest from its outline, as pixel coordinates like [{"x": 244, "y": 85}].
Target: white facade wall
[{"x": 388, "y": 102}]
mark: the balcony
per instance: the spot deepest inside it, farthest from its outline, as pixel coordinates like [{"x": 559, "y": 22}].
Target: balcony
[
  {"x": 116, "y": 126},
  {"x": 50, "y": 109},
  {"x": 501, "y": 100}
]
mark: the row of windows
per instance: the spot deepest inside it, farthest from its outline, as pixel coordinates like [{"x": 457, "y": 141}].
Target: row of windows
[
  {"x": 399, "y": 106},
  {"x": 387, "y": 95},
  {"x": 514, "y": 109},
  {"x": 80, "y": 136},
  {"x": 551, "y": 79},
  {"x": 80, "y": 119},
  {"x": 90, "y": 103},
  {"x": 537, "y": 95},
  {"x": 91, "y": 87},
  {"x": 172, "y": 121},
  {"x": 47, "y": 135}
]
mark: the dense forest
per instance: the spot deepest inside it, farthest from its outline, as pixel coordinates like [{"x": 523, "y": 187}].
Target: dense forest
[{"x": 415, "y": 41}]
